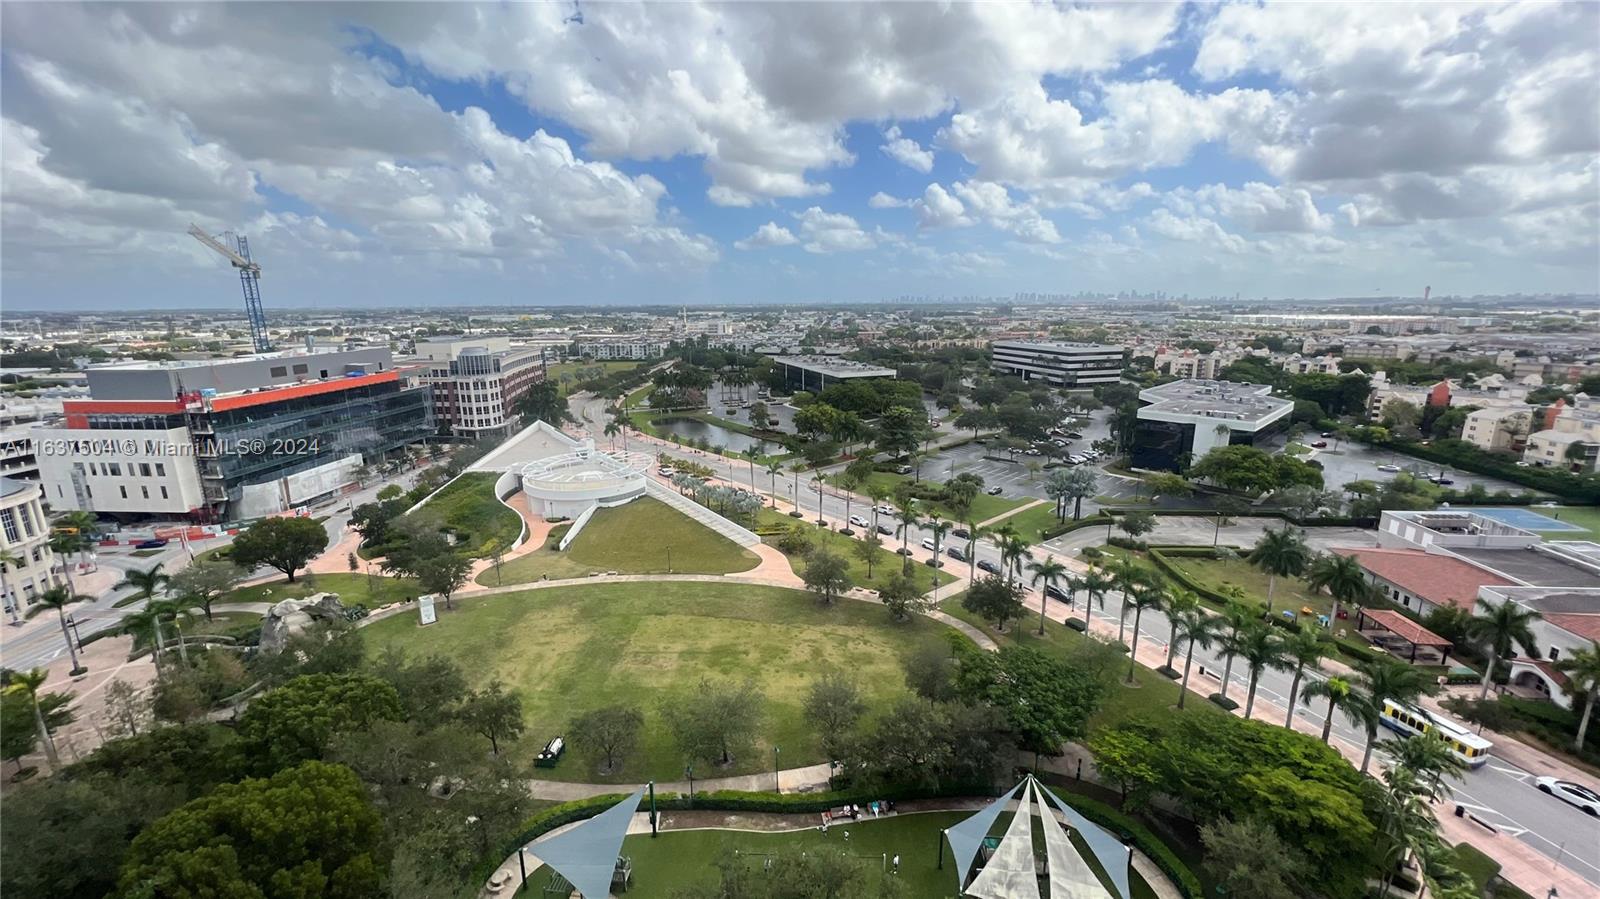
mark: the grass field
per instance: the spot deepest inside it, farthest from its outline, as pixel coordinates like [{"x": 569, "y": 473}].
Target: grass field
[
  {"x": 984, "y": 506},
  {"x": 1581, "y": 516},
  {"x": 1292, "y": 592},
  {"x": 469, "y": 505},
  {"x": 565, "y": 650},
  {"x": 679, "y": 859},
  {"x": 571, "y": 370},
  {"x": 845, "y": 547},
  {"x": 353, "y": 589},
  {"x": 631, "y": 539},
  {"x": 1031, "y": 523}
]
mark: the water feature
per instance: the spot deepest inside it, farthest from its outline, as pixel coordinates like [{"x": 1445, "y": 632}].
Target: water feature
[{"x": 694, "y": 429}]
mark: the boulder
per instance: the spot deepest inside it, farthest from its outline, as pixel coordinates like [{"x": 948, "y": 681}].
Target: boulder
[{"x": 291, "y": 616}]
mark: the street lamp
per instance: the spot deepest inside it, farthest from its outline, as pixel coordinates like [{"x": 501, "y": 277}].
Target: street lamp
[
  {"x": 775, "y": 787},
  {"x": 689, "y": 771}
]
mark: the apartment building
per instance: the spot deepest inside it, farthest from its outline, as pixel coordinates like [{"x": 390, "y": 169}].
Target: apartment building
[
  {"x": 1570, "y": 438},
  {"x": 229, "y": 439},
  {"x": 1190, "y": 364},
  {"x": 613, "y": 349},
  {"x": 1068, "y": 365},
  {"x": 24, "y": 537},
  {"x": 477, "y": 382},
  {"x": 1500, "y": 429},
  {"x": 1326, "y": 364}
]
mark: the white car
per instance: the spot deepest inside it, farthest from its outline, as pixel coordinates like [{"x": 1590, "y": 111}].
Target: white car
[
  {"x": 1390, "y": 468},
  {"x": 856, "y": 521},
  {"x": 1571, "y": 793},
  {"x": 886, "y": 510}
]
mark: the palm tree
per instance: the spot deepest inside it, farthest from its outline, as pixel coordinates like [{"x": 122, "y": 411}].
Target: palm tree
[
  {"x": 146, "y": 621},
  {"x": 1384, "y": 679},
  {"x": 1338, "y": 692},
  {"x": 1148, "y": 595},
  {"x": 877, "y": 493},
  {"x": 1196, "y": 627},
  {"x": 1013, "y": 549},
  {"x": 773, "y": 468},
  {"x": 28, "y": 683},
  {"x": 8, "y": 559},
  {"x": 908, "y": 520},
  {"x": 973, "y": 533},
  {"x": 1497, "y": 629},
  {"x": 611, "y": 430},
  {"x": 849, "y": 481},
  {"x": 1303, "y": 649},
  {"x": 169, "y": 610},
  {"x": 1178, "y": 601},
  {"x": 939, "y": 527},
  {"x": 58, "y": 598},
  {"x": 1261, "y": 649},
  {"x": 1235, "y": 620},
  {"x": 146, "y": 584},
  {"x": 1343, "y": 578},
  {"x": 1096, "y": 584},
  {"x": 1049, "y": 572},
  {"x": 1126, "y": 576},
  {"x": 1282, "y": 552},
  {"x": 797, "y": 467},
  {"x": 1582, "y": 669},
  {"x": 64, "y": 545},
  {"x": 1428, "y": 756}
]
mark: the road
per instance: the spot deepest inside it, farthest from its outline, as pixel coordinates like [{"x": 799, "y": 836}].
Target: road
[{"x": 1499, "y": 792}]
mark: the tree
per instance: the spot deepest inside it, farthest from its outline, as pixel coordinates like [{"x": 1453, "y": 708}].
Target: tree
[
  {"x": 869, "y": 550},
  {"x": 493, "y": 713},
  {"x": 1251, "y": 861},
  {"x": 542, "y": 401},
  {"x": 1280, "y": 553},
  {"x": 1046, "y": 701},
  {"x": 1378, "y": 680},
  {"x": 64, "y": 544},
  {"x": 392, "y": 491},
  {"x": 1236, "y": 619},
  {"x": 1343, "y": 578},
  {"x": 607, "y": 735},
  {"x": 833, "y": 706},
  {"x": 930, "y": 745},
  {"x": 1195, "y": 627},
  {"x": 373, "y": 520},
  {"x": 1148, "y": 595},
  {"x": 1136, "y": 524},
  {"x": 1337, "y": 690},
  {"x": 900, "y": 430},
  {"x": 1261, "y": 649},
  {"x": 19, "y": 733},
  {"x": 27, "y": 684},
  {"x": 930, "y": 671},
  {"x": 994, "y": 600},
  {"x": 203, "y": 583},
  {"x": 902, "y": 595},
  {"x": 286, "y": 544},
  {"x": 294, "y": 722},
  {"x": 827, "y": 574},
  {"x": 1304, "y": 649},
  {"x": 145, "y": 584},
  {"x": 430, "y": 688},
  {"x": 1050, "y": 573},
  {"x": 1077, "y": 485},
  {"x": 715, "y": 722},
  {"x": 1582, "y": 669},
  {"x": 909, "y": 519},
  {"x": 307, "y": 831},
  {"x": 444, "y": 574},
  {"x": 1168, "y": 484},
  {"x": 1126, "y": 756},
  {"x": 1128, "y": 576},
  {"x": 1497, "y": 630},
  {"x": 1401, "y": 416}
]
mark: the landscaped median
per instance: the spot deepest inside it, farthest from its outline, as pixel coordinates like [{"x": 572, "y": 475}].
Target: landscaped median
[{"x": 774, "y": 526}]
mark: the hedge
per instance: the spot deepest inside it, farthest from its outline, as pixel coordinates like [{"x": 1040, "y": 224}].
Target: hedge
[{"x": 1056, "y": 530}]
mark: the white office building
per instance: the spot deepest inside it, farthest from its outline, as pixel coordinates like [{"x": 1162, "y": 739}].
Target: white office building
[
  {"x": 1068, "y": 365},
  {"x": 25, "y": 537},
  {"x": 1191, "y": 418}
]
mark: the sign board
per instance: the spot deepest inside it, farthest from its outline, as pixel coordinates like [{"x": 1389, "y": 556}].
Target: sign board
[{"x": 425, "y": 609}]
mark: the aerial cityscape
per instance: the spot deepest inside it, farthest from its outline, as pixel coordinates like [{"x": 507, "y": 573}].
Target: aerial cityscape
[{"x": 800, "y": 450}]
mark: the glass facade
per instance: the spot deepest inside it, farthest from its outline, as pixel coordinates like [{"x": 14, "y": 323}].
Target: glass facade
[
  {"x": 1161, "y": 445},
  {"x": 267, "y": 441}
]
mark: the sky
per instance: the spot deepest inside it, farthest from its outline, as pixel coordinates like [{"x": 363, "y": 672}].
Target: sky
[{"x": 425, "y": 154}]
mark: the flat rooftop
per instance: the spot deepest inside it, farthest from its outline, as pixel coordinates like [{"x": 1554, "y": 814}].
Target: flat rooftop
[
  {"x": 1222, "y": 400},
  {"x": 834, "y": 367},
  {"x": 1532, "y": 566},
  {"x": 177, "y": 364},
  {"x": 1061, "y": 346}
]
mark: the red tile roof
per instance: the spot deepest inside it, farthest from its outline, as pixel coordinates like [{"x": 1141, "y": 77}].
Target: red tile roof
[
  {"x": 1441, "y": 580},
  {"x": 1403, "y": 627},
  {"x": 1586, "y": 626}
]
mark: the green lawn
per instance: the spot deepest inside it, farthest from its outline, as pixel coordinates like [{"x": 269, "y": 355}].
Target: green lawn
[
  {"x": 984, "y": 506},
  {"x": 631, "y": 539},
  {"x": 1292, "y": 592},
  {"x": 678, "y": 859},
  {"x": 571, "y": 368},
  {"x": 1154, "y": 694},
  {"x": 845, "y": 547},
  {"x": 1582, "y": 516},
  {"x": 1031, "y": 523},
  {"x": 353, "y": 589},
  {"x": 568, "y": 649},
  {"x": 481, "y": 521}
]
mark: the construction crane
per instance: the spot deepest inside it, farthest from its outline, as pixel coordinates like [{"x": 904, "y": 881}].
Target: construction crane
[{"x": 236, "y": 249}]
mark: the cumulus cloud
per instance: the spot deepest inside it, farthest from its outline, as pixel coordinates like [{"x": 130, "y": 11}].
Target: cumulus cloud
[
  {"x": 881, "y": 200},
  {"x": 906, "y": 151},
  {"x": 833, "y": 232},
  {"x": 771, "y": 234},
  {"x": 938, "y": 209}
]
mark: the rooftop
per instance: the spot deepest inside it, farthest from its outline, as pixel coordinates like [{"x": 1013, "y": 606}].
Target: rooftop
[
  {"x": 1224, "y": 400},
  {"x": 1065, "y": 346},
  {"x": 1439, "y": 579},
  {"x": 12, "y": 486},
  {"x": 835, "y": 367},
  {"x": 1573, "y": 610},
  {"x": 178, "y": 364},
  {"x": 1532, "y": 566}
]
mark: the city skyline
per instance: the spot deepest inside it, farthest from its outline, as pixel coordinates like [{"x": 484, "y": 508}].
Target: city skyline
[{"x": 429, "y": 155}]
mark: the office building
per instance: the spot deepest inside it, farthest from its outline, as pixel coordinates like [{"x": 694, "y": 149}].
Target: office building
[
  {"x": 1068, "y": 365},
  {"x": 477, "y": 382},
  {"x": 815, "y": 373},
  {"x": 24, "y": 536},
  {"x": 229, "y": 439},
  {"x": 1182, "y": 421}
]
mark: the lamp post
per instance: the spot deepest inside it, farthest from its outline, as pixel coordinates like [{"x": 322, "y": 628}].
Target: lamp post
[
  {"x": 776, "y": 788},
  {"x": 689, "y": 771}
]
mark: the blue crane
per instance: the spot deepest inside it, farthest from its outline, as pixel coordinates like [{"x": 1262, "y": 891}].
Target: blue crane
[{"x": 236, "y": 249}]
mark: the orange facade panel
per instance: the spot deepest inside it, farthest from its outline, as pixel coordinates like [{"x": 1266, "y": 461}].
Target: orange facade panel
[{"x": 310, "y": 388}]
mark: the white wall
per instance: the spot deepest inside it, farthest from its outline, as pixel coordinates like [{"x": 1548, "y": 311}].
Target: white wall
[{"x": 119, "y": 470}]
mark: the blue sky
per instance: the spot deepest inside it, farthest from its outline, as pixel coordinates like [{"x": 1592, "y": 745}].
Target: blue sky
[{"x": 444, "y": 154}]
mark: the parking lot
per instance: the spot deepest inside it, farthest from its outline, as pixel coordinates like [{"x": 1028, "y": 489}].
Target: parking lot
[
  {"x": 1013, "y": 478},
  {"x": 1358, "y": 462}
]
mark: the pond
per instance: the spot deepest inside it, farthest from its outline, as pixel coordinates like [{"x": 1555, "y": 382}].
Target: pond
[{"x": 694, "y": 429}]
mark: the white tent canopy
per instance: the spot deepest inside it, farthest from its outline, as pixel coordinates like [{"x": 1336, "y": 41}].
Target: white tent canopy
[{"x": 1010, "y": 871}]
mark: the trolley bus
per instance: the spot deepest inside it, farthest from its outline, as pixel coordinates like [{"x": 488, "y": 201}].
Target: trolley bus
[{"x": 1467, "y": 746}]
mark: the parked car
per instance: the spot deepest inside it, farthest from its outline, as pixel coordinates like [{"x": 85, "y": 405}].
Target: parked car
[
  {"x": 551, "y": 753},
  {"x": 1077, "y": 459},
  {"x": 1074, "y": 435},
  {"x": 1389, "y": 468},
  {"x": 856, "y": 521},
  {"x": 988, "y": 566},
  {"x": 1327, "y": 433},
  {"x": 1571, "y": 793},
  {"x": 1441, "y": 480},
  {"x": 1319, "y": 444},
  {"x": 902, "y": 469},
  {"x": 963, "y": 533},
  {"x": 993, "y": 491},
  {"x": 886, "y": 530},
  {"x": 927, "y": 544},
  {"x": 886, "y": 510},
  {"x": 152, "y": 543}
]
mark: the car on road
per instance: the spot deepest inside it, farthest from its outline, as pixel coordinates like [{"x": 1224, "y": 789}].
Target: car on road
[
  {"x": 1389, "y": 468},
  {"x": 886, "y": 530},
  {"x": 1441, "y": 480},
  {"x": 902, "y": 469},
  {"x": 988, "y": 566},
  {"x": 152, "y": 543},
  {"x": 957, "y": 553},
  {"x": 1319, "y": 444},
  {"x": 1327, "y": 433},
  {"x": 1074, "y": 435},
  {"x": 1054, "y": 592},
  {"x": 856, "y": 521},
  {"x": 963, "y": 533},
  {"x": 886, "y": 510},
  {"x": 993, "y": 491},
  {"x": 1573, "y": 794}
]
